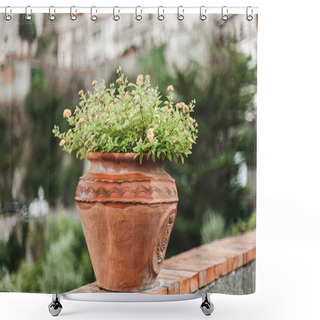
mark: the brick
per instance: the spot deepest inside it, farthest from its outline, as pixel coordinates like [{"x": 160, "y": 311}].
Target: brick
[
  {"x": 215, "y": 266},
  {"x": 251, "y": 255},
  {"x": 89, "y": 288},
  {"x": 235, "y": 258},
  {"x": 196, "y": 258},
  {"x": 192, "y": 276},
  {"x": 181, "y": 276},
  {"x": 217, "y": 271},
  {"x": 173, "y": 286},
  {"x": 203, "y": 270},
  {"x": 157, "y": 290}
]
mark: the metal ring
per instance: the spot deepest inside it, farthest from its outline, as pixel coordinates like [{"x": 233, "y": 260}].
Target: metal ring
[
  {"x": 138, "y": 16},
  {"x": 249, "y": 17},
  {"x": 160, "y": 16},
  {"x": 7, "y": 16},
  {"x": 116, "y": 17},
  {"x": 73, "y": 16},
  {"x": 27, "y": 15},
  {"x": 51, "y": 16},
  {"x": 224, "y": 13},
  {"x": 203, "y": 16},
  {"x": 93, "y": 16},
  {"x": 180, "y": 16}
]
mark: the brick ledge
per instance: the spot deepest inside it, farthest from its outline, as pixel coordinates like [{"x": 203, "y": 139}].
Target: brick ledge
[{"x": 193, "y": 269}]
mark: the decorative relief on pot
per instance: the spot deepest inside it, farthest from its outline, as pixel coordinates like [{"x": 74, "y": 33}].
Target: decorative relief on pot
[
  {"x": 163, "y": 240},
  {"x": 101, "y": 194}
]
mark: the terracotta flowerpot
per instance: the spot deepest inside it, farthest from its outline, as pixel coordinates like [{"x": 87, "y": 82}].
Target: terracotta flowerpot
[{"x": 127, "y": 212}]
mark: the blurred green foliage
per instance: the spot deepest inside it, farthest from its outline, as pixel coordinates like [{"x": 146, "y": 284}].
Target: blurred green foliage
[
  {"x": 44, "y": 42},
  {"x": 44, "y": 108},
  {"x": 6, "y": 159},
  {"x": 224, "y": 89},
  {"x": 63, "y": 264},
  {"x": 213, "y": 227},
  {"x": 60, "y": 268},
  {"x": 244, "y": 225},
  {"x": 27, "y": 28},
  {"x": 7, "y": 284}
]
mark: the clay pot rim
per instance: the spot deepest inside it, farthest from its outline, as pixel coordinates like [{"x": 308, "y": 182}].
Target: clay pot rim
[{"x": 96, "y": 155}]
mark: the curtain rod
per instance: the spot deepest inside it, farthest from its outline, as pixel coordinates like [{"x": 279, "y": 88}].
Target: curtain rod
[{"x": 130, "y": 10}]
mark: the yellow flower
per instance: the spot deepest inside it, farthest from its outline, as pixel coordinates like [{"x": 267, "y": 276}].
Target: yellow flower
[
  {"x": 170, "y": 88},
  {"x": 140, "y": 79},
  {"x": 190, "y": 140},
  {"x": 150, "y": 134},
  {"x": 166, "y": 108},
  {"x": 80, "y": 121},
  {"x": 118, "y": 80},
  {"x": 103, "y": 136},
  {"x": 186, "y": 108},
  {"x": 148, "y": 77},
  {"x": 191, "y": 121},
  {"x": 183, "y": 106},
  {"x": 80, "y": 92},
  {"x": 94, "y": 82},
  {"x": 67, "y": 113},
  {"x": 62, "y": 142}
]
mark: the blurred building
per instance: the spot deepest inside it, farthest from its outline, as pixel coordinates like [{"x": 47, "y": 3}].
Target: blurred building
[
  {"x": 15, "y": 60},
  {"x": 100, "y": 46}
]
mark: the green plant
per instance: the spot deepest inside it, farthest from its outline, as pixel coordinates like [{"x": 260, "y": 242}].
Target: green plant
[
  {"x": 6, "y": 282},
  {"x": 64, "y": 263},
  {"x": 213, "y": 226},
  {"x": 60, "y": 267},
  {"x": 129, "y": 117},
  {"x": 244, "y": 225}
]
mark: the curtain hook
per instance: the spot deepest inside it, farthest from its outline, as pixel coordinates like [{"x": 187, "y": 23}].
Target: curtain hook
[
  {"x": 203, "y": 15},
  {"x": 116, "y": 17},
  {"x": 160, "y": 16},
  {"x": 7, "y": 16},
  {"x": 51, "y": 15},
  {"x": 73, "y": 16},
  {"x": 249, "y": 17},
  {"x": 138, "y": 16},
  {"x": 27, "y": 15},
  {"x": 224, "y": 13},
  {"x": 93, "y": 16},
  {"x": 180, "y": 15}
]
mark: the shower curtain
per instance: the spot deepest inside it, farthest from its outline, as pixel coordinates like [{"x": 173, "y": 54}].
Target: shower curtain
[{"x": 188, "y": 227}]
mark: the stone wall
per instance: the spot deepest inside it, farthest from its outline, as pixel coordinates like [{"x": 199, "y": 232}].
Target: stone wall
[{"x": 240, "y": 281}]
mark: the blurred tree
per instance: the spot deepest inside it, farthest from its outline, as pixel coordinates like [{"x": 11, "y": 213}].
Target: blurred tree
[
  {"x": 15, "y": 248},
  {"x": 12, "y": 128},
  {"x": 27, "y": 28},
  {"x": 224, "y": 89},
  {"x": 5, "y": 160},
  {"x": 44, "y": 161}
]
